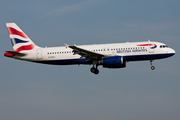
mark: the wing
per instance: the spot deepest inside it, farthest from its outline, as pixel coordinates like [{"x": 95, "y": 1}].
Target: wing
[{"x": 89, "y": 55}]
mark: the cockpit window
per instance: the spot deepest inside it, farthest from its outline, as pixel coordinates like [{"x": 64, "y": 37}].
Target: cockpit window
[{"x": 163, "y": 46}]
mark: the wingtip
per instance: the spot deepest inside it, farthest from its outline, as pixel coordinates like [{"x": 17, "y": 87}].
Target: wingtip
[{"x": 66, "y": 45}]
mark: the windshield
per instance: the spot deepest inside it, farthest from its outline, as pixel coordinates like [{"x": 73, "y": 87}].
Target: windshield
[{"x": 163, "y": 46}]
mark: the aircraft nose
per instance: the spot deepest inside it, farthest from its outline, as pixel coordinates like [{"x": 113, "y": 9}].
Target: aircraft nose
[{"x": 172, "y": 51}]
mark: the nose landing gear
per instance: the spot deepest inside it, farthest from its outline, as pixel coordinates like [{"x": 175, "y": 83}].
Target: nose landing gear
[
  {"x": 94, "y": 70},
  {"x": 152, "y": 67}
]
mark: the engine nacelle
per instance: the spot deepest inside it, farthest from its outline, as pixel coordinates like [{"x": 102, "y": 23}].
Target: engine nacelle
[{"x": 113, "y": 62}]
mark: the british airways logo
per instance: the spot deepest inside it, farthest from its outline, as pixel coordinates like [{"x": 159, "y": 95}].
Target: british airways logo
[
  {"x": 152, "y": 46},
  {"x": 132, "y": 50},
  {"x": 19, "y": 37}
]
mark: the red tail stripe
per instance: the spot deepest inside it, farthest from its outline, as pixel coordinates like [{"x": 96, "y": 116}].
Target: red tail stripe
[
  {"x": 13, "y": 31},
  {"x": 25, "y": 47}
]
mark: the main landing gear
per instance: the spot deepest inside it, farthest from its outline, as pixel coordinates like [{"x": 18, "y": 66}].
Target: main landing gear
[
  {"x": 94, "y": 69},
  {"x": 152, "y": 67}
]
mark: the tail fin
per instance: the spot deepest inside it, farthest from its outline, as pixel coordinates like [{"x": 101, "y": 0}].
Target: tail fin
[{"x": 20, "y": 41}]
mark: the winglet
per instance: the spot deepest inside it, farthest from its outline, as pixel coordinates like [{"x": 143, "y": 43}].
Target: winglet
[{"x": 66, "y": 45}]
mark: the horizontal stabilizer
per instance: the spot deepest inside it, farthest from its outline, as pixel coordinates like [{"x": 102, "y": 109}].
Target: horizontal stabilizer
[{"x": 12, "y": 54}]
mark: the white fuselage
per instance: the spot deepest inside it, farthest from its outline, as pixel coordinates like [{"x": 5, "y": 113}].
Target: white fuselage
[{"x": 130, "y": 51}]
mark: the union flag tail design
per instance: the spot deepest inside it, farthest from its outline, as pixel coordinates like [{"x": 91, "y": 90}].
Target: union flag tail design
[{"x": 20, "y": 41}]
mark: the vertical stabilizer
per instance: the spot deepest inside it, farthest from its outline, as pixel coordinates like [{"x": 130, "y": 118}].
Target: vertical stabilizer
[{"x": 20, "y": 41}]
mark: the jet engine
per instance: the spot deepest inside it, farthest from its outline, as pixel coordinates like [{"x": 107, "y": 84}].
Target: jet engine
[{"x": 113, "y": 62}]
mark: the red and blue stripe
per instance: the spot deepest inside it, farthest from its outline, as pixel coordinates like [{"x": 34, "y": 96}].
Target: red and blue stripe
[
  {"x": 13, "y": 31},
  {"x": 153, "y": 45},
  {"x": 25, "y": 47}
]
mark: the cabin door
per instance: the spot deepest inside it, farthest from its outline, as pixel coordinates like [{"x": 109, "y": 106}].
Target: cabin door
[{"x": 39, "y": 54}]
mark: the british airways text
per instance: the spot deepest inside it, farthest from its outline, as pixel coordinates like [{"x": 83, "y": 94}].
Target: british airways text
[{"x": 130, "y": 51}]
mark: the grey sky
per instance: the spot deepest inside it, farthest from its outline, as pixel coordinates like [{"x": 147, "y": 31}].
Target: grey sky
[{"x": 42, "y": 92}]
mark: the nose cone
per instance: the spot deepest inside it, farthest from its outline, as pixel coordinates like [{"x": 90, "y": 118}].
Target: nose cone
[{"x": 171, "y": 51}]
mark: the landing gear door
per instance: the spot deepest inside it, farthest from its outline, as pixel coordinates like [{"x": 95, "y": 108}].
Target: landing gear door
[{"x": 39, "y": 54}]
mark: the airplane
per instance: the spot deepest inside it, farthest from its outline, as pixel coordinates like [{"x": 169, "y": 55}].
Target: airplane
[{"x": 114, "y": 55}]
